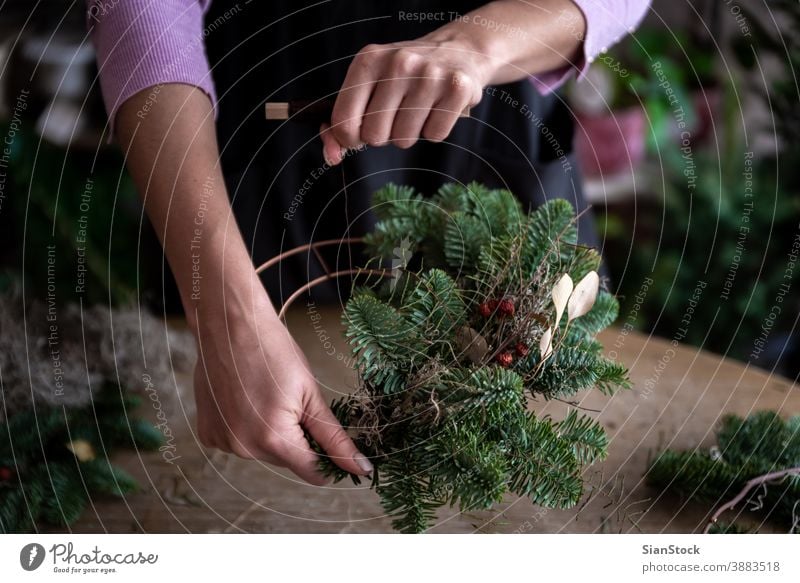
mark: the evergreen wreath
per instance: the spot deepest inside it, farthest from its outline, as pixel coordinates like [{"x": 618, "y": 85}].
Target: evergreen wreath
[
  {"x": 757, "y": 457},
  {"x": 481, "y": 318}
]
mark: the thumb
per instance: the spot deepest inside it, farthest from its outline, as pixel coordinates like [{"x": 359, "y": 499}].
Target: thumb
[
  {"x": 323, "y": 426},
  {"x": 331, "y": 149}
]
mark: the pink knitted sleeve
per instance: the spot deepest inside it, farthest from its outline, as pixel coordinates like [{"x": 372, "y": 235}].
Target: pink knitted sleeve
[
  {"x": 607, "y": 21},
  {"x": 144, "y": 43}
]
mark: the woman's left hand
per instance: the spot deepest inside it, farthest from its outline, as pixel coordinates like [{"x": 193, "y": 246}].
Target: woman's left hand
[{"x": 400, "y": 92}]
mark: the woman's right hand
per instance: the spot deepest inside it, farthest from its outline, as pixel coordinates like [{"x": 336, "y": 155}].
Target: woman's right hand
[{"x": 256, "y": 395}]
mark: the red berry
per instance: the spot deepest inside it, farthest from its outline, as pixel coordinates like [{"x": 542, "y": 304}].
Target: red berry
[
  {"x": 522, "y": 349},
  {"x": 506, "y": 308},
  {"x": 5, "y": 474},
  {"x": 505, "y": 359},
  {"x": 487, "y": 308}
]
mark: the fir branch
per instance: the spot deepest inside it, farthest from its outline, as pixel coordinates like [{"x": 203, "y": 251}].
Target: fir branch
[
  {"x": 464, "y": 238},
  {"x": 551, "y": 234},
  {"x": 447, "y": 358},
  {"x": 752, "y": 452},
  {"x": 384, "y": 342},
  {"x": 405, "y": 495},
  {"x": 584, "y": 260},
  {"x": 545, "y": 468},
  {"x": 393, "y": 202},
  {"x": 588, "y": 438},
  {"x": 436, "y": 307}
]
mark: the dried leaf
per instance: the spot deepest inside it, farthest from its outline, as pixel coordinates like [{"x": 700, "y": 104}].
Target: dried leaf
[
  {"x": 561, "y": 293},
  {"x": 582, "y": 299},
  {"x": 546, "y": 344},
  {"x": 471, "y": 343},
  {"x": 82, "y": 449}
]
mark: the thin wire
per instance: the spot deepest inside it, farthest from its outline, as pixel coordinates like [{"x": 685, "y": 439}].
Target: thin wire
[{"x": 346, "y": 216}]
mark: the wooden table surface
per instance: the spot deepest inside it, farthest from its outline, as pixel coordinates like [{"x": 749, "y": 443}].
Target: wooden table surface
[{"x": 679, "y": 395}]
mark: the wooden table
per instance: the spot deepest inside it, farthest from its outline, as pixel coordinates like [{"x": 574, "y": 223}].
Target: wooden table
[{"x": 679, "y": 395}]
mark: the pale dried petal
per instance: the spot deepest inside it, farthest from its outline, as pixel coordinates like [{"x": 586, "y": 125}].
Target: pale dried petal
[
  {"x": 546, "y": 344},
  {"x": 584, "y": 296},
  {"x": 561, "y": 293}
]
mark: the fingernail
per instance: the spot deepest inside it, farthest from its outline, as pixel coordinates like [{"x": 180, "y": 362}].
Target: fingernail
[
  {"x": 363, "y": 463},
  {"x": 327, "y": 160}
]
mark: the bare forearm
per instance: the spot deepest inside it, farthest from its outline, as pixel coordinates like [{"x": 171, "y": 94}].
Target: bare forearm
[
  {"x": 520, "y": 37},
  {"x": 172, "y": 154},
  {"x": 255, "y": 394}
]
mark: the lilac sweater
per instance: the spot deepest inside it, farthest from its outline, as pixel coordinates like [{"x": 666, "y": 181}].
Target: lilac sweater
[{"x": 143, "y": 43}]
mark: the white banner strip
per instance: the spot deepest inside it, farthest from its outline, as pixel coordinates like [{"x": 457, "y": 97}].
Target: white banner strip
[{"x": 397, "y": 558}]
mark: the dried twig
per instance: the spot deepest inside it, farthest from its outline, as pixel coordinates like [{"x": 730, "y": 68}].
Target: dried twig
[{"x": 760, "y": 480}]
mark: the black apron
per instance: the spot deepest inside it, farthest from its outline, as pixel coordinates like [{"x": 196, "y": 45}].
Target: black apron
[{"x": 281, "y": 193}]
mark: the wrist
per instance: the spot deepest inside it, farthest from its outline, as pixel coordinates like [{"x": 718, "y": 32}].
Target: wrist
[
  {"x": 226, "y": 301},
  {"x": 460, "y": 38}
]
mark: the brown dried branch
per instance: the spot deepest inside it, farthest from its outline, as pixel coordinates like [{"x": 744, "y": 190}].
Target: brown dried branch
[{"x": 771, "y": 477}]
